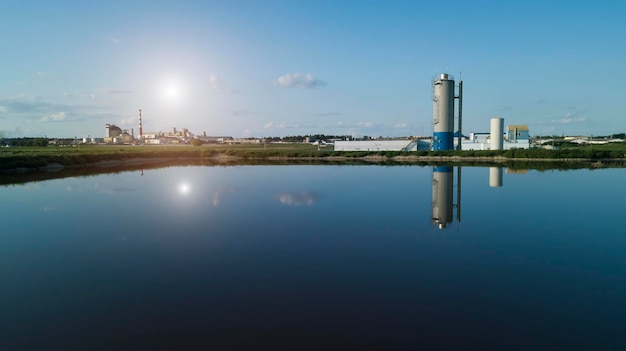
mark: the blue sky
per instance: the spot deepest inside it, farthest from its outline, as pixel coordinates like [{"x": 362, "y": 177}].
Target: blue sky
[{"x": 276, "y": 68}]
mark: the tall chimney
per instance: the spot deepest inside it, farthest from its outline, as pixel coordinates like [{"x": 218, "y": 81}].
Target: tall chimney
[{"x": 140, "y": 127}]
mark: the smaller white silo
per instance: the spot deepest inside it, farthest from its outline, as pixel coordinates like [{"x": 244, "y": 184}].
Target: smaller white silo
[
  {"x": 496, "y": 134},
  {"x": 495, "y": 177}
]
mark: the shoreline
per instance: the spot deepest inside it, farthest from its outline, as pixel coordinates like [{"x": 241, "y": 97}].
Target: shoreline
[{"x": 51, "y": 164}]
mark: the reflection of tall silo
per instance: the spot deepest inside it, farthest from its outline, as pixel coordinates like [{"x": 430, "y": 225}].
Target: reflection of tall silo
[
  {"x": 495, "y": 177},
  {"x": 443, "y": 112},
  {"x": 497, "y": 131},
  {"x": 442, "y": 195}
]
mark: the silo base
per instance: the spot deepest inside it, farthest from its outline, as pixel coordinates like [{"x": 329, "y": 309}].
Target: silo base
[{"x": 443, "y": 141}]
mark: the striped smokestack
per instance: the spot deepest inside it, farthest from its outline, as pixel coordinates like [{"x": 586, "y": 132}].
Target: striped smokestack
[{"x": 140, "y": 127}]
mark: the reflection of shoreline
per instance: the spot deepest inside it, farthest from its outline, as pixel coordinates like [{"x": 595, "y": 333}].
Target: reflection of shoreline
[
  {"x": 104, "y": 167},
  {"x": 41, "y": 162},
  {"x": 32, "y": 174}
]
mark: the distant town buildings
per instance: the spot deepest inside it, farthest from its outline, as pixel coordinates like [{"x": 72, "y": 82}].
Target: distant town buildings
[{"x": 116, "y": 135}]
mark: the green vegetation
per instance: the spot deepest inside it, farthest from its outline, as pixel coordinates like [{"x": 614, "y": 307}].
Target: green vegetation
[{"x": 34, "y": 157}]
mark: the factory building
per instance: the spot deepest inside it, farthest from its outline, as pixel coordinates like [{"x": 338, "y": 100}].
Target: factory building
[
  {"x": 517, "y": 137},
  {"x": 382, "y": 145},
  {"x": 444, "y": 137},
  {"x": 518, "y": 132},
  {"x": 115, "y": 135},
  {"x": 112, "y": 131}
]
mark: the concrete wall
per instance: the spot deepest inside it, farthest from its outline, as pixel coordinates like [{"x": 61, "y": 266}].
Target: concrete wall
[{"x": 372, "y": 145}]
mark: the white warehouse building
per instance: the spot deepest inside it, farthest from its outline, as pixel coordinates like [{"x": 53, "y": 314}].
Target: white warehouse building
[{"x": 382, "y": 145}]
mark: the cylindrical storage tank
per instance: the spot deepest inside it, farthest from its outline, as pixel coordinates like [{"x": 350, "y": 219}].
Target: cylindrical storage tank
[
  {"x": 497, "y": 131},
  {"x": 495, "y": 177},
  {"x": 442, "y": 196},
  {"x": 443, "y": 112}
]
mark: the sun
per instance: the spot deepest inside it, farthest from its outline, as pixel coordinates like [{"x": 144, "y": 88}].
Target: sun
[{"x": 171, "y": 90}]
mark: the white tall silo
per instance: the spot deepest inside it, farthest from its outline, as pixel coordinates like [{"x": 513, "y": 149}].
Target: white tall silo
[
  {"x": 443, "y": 112},
  {"x": 497, "y": 131}
]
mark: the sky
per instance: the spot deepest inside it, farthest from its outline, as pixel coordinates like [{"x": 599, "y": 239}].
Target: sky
[{"x": 247, "y": 68}]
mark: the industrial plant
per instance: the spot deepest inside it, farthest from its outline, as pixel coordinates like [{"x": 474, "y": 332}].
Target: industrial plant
[{"x": 444, "y": 137}]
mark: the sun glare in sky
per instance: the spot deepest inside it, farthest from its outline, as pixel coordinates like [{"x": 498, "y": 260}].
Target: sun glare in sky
[{"x": 172, "y": 91}]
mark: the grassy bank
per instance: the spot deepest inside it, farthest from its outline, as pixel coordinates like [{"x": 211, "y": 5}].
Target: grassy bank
[{"x": 21, "y": 159}]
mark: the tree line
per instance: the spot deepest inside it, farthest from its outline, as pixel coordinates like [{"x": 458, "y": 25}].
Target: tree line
[{"x": 29, "y": 141}]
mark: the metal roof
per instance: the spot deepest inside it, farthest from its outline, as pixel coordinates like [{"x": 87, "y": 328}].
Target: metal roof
[{"x": 518, "y": 127}]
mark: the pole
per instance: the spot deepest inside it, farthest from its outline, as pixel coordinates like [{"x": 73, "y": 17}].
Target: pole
[
  {"x": 460, "y": 114},
  {"x": 458, "y": 194}
]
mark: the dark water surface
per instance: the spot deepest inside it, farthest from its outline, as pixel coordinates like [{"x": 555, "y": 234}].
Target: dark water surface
[{"x": 315, "y": 257}]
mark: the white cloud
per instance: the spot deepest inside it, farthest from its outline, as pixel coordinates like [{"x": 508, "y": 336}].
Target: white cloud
[
  {"x": 329, "y": 114},
  {"x": 400, "y": 125},
  {"x": 114, "y": 40},
  {"x": 272, "y": 126},
  {"x": 299, "y": 80},
  {"x": 56, "y": 117},
  {"x": 216, "y": 84},
  {"x": 3, "y": 109},
  {"x": 366, "y": 124},
  {"x": 115, "y": 91},
  {"x": 569, "y": 119},
  {"x": 128, "y": 121}
]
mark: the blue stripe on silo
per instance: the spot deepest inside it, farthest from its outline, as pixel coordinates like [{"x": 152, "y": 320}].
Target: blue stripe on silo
[
  {"x": 442, "y": 169},
  {"x": 443, "y": 141}
]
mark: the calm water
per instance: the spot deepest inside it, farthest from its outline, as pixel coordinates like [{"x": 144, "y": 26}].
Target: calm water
[{"x": 315, "y": 257}]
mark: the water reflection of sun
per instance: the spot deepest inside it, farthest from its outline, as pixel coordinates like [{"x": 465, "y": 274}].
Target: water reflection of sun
[{"x": 184, "y": 188}]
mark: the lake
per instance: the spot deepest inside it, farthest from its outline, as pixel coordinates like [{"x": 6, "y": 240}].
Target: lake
[{"x": 315, "y": 257}]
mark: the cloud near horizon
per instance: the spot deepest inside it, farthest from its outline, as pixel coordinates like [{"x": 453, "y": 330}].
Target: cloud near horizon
[
  {"x": 115, "y": 91},
  {"x": 328, "y": 114},
  {"x": 299, "y": 80},
  {"x": 272, "y": 125},
  {"x": 569, "y": 118},
  {"x": 217, "y": 85},
  {"x": 55, "y": 117},
  {"x": 400, "y": 125}
]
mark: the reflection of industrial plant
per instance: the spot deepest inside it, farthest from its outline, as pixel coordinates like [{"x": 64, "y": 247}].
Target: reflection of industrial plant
[
  {"x": 444, "y": 202},
  {"x": 443, "y": 196}
]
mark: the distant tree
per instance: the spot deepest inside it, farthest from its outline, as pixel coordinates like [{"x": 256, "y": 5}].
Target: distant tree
[{"x": 196, "y": 142}]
